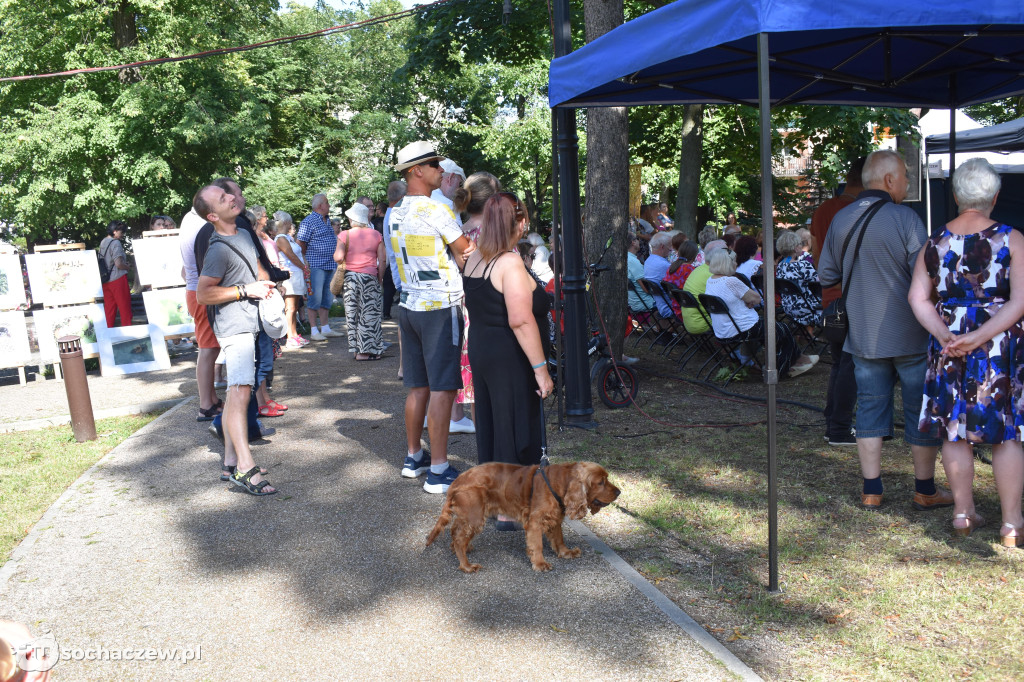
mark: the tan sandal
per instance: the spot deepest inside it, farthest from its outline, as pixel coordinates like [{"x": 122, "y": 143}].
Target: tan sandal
[
  {"x": 971, "y": 523},
  {"x": 1012, "y": 538}
]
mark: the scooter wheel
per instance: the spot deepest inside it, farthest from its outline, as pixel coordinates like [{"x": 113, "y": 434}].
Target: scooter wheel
[{"x": 617, "y": 389}]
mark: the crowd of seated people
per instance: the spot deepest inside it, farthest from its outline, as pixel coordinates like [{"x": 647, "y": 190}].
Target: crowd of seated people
[{"x": 675, "y": 262}]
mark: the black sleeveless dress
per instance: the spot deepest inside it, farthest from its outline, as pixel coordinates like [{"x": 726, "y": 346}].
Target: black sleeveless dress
[{"x": 508, "y": 425}]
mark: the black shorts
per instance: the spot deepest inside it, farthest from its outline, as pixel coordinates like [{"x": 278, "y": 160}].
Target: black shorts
[{"x": 431, "y": 348}]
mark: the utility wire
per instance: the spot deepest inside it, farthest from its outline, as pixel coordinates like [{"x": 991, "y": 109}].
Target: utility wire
[{"x": 273, "y": 42}]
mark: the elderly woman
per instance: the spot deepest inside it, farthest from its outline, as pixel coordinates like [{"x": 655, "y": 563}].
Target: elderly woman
[
  {"x": 972, "y": 391},
  {"x": 290, "y": 258},
  {"x": 361, "y": 250},
  {"x": 507, "y": 345},
  {"x": 741, "y": 301},
  {"x": 795, "y": 266}
]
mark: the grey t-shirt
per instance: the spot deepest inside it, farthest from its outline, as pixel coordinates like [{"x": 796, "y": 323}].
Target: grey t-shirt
[
  {"x": 111, "y": 249},
  {"x": 234, "y": 317},
  {"x": 882, "y": 324}
]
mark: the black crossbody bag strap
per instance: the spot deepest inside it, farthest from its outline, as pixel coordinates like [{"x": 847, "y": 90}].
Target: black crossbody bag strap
[
  {"x": 865, "y": 218},
  {"x": 213, "y": 240}
]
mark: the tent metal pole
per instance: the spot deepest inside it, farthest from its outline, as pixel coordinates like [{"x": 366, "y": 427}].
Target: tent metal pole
[
  {"x": 927, "y": 183},
  {"x": 950, "y": 201},
  {"x": 579, "y": 406},
  {"x": 771, "y": 373}
]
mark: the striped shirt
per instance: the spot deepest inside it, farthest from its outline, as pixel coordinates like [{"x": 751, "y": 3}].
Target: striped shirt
[
  {"x": 882, "y": 324},
  {"x": 421, "y": 230},
  {"x": 320, "y": 240}
]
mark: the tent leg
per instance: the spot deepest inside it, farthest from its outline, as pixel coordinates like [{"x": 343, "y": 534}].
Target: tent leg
[{"x": 771, "y": 376}]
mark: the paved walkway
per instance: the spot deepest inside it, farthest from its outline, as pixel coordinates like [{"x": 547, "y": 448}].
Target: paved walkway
[{"x": 328, "y": 579}]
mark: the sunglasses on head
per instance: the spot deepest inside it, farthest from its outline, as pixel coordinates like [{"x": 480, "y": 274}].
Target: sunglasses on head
[{"x": 515, "y": 201}]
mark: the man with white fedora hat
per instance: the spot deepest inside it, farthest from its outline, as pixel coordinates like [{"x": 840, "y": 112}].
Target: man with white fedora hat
[{"x": 430, "y": 248}]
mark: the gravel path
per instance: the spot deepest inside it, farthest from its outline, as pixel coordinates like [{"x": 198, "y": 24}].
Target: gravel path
[{"x": 328, "y": 579}]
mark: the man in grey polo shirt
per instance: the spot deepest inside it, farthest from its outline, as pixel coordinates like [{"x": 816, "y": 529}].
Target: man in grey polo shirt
[
  {"x": 884, "y": 337},
  {"x": 228, "y": 286}
]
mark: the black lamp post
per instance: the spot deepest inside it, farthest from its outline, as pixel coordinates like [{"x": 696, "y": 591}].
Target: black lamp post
[{"x": 579, "y": 408}]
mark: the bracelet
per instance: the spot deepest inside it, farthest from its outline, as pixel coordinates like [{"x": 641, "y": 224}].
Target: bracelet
[
  {"x": 238, "y": 293},
  {"x": 539, "y": 365}
]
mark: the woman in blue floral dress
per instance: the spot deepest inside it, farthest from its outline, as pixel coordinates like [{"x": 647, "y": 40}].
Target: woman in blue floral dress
[{"x": 975, "y": 375}]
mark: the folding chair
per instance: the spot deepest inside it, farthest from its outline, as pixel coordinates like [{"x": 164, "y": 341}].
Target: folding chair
[
  {"x": 669, "y": 323},
  {"x": 701, "y": 341},
  {"x": 716, "y": 306},
  {"x": 645, "y": 321},
  {"x": 786, "y": 287},
  {"x": 757, "y": 281}
]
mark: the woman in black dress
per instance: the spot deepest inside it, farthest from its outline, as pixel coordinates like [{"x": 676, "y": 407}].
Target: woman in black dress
[{"x": 507, "y": 346}]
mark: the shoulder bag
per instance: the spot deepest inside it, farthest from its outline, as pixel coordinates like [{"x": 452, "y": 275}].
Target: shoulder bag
[
  {"x": 338, "y": 279},
  {"x": 835, "y": 322},
  {"x": 272, "y": 317}
]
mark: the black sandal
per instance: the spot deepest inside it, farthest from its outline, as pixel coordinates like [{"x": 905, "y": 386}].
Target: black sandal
[
  {"x": 245, "y": 481},
  {"x": 209, "y": 413},
  {"x": 230, "y": 469}
]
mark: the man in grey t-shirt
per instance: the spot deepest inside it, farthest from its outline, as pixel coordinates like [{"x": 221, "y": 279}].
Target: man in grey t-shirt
[
  {"x": 884, "y": 337},
  {"x": 230, "y": 289}
]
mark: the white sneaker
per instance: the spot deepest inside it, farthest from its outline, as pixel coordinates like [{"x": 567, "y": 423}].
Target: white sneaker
[
  {"x": 464, "y": 425},
  {"x": 797, "y": 370},
  {"x": 318, "y": 337},
  {"x": 330, "y": 332}
]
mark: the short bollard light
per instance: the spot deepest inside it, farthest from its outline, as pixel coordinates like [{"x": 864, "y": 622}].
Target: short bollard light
[{"x": 72, "y": 364}]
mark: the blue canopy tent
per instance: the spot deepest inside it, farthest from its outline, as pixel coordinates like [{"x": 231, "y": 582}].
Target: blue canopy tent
[{"x": 765, "y": 53}]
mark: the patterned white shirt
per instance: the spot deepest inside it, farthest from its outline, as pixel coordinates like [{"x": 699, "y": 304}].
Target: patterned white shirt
[{"x": 421, "y": 230}]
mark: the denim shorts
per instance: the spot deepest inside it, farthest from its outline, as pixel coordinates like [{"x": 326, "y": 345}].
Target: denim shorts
[
  {"x": 431, "y": 348},
  {"x": 239, "y": 358},
  {"x": 320, "y": 286},
  {"x": 876, "y": 383}
]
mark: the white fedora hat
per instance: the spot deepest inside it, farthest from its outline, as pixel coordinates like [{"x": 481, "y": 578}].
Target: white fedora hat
[
  {"x": 414, "y": 154},
  {"x": 359, "y": 213}
]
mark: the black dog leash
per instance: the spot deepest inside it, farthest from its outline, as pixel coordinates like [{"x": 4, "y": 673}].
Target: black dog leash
[{"x": 544, "y": 458}]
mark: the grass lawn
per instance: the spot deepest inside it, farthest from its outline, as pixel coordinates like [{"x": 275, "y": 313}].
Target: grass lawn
[
  {"x": 887, "y": 595},
  {"x": 37, "y": 466}
]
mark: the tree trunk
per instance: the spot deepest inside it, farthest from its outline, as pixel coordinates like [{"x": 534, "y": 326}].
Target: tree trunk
[
  {"x": 690, "y": 158},
  {"x": 126, "y": 35},
  {"x": 607, "y": 188}
]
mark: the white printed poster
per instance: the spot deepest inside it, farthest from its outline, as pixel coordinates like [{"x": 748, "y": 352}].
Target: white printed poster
[{"x": 64, "y": 277}]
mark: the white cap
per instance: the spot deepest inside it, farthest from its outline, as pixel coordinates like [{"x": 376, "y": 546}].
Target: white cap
[{"x": 449, "y": 166}]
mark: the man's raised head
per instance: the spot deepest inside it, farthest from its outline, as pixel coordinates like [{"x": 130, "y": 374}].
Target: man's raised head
[
  {"x": 232, "y": 188},
  {"x": 215, "y": 205}
]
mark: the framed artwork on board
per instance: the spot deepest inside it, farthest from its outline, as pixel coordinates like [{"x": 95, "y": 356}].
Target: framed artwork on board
[
  {"x": 167, "y": 310},
  {"x": 64, "y": 277},
  {"x": 83, "y": 321},
  {"x": 14, "y": 349},
  {"x": 158, "y": 260},
  {"x": 12, "y": 286},
  {"x": 129, "y": 350}
]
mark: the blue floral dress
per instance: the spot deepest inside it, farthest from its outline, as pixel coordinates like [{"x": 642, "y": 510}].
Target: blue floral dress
[{"x": 977, "y": 397}]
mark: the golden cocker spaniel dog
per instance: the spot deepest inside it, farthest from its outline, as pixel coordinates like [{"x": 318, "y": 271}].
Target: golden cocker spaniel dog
[{"x": 520, "y": 492}]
